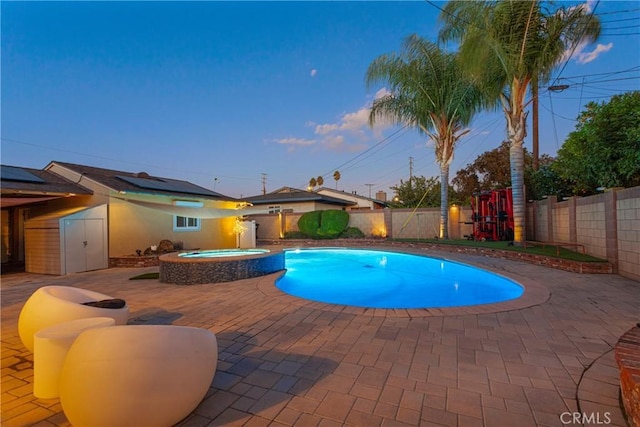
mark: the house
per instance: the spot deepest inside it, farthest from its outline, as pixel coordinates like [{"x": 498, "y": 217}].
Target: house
[
  {"x": 288, "y": 199},
  {"x": 360, "y": 202},
  {"x": 22, "y": 190},
  {"x": 80, "y": 216}
]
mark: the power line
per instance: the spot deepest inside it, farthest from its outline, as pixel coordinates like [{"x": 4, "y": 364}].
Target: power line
[
  {"x": 628, "y": 70},
  {"x": 618, "y": 11},
  {"x": 344, "y": 167},
  {"x": 119, "y": 160},
  {"x": 575, "y": 45}
]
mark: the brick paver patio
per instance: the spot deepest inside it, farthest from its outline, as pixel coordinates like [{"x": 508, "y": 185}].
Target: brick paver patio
[{"x": 284, "y": 361}]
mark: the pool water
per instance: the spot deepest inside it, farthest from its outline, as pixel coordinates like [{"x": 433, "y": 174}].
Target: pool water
[{"x": 376, "y": 279}]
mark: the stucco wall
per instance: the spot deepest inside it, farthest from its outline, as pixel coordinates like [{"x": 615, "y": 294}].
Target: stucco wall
[{"x": 132, "y": 228}]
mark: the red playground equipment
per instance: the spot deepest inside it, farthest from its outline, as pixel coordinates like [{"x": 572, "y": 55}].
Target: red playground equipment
[{"x": 492, "y": 215}]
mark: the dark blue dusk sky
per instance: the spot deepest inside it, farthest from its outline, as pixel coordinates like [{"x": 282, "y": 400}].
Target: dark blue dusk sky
[{"x": 218, "y": 93}]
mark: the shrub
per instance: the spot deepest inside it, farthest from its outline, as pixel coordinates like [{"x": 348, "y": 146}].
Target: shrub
[
  {"x": 352, "y": 233},
  {"x": 323, "y": 224},
  {"x": 332, "y": 223},
  {"x": 309, "y": 223}
]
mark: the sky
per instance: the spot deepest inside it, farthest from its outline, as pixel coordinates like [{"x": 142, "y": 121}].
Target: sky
[{"x": 237, "y": 96}]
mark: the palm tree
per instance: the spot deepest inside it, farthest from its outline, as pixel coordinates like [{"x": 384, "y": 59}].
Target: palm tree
[
  {"x": 320, "y": 181},
  {"x": 336, "y": 176},
  {"x": 506, "y": 45},
  {"x": 312, "y": 184},
  {"x": 428, "y": 92}
]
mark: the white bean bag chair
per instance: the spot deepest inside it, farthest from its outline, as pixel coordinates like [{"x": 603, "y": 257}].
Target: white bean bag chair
[
  {"x": 138, "y": 375},
  {"x": 50, "y": 348},
  {"x": 51, "y": 305}
]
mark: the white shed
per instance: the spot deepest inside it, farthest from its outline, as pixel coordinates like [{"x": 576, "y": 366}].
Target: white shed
[{"x": 68, "y": 241}]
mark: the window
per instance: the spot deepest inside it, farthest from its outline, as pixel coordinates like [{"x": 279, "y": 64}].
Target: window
[
  {"x": 183, "y": 223},
  {"x": 274, "y": 209}
]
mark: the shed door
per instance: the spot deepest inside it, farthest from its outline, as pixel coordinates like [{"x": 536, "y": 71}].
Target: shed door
[{"x": 83, "y": 245}]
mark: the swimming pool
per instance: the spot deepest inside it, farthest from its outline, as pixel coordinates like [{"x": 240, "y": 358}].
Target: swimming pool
[{"x": 380, "y": 279}]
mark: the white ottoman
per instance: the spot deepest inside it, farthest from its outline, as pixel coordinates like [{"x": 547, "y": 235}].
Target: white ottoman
[
  {"x": 138, "y": 375},
  {"x": 56, "y": 304},
  {"x": 50, "y": 348}
]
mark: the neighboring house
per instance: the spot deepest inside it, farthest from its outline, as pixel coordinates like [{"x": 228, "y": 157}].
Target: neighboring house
[
  {"x": 360, "y": 202},
  {"x": 122, "y": 212},
  {"x": 287, "y": 199}
]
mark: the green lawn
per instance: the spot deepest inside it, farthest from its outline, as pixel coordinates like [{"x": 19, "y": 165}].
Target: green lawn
[
  {"x": 146, "y": 276},
  {"x": 548, "y": 250}
]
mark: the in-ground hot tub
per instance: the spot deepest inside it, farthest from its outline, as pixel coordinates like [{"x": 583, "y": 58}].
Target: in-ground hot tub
[{"x": 221, "y": 265}]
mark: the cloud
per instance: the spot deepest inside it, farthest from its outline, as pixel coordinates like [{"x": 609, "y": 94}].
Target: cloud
[
  {"x": 578, "y": 53},
  {"x": 296, "y": 141},
  {"x": 339, "y": 136},
  {"x": 293, "y": 143},
  {"x": 357, "y": 121},
  {"x": 313, "y": 72},
  {"x": 381, "y": 92},
  {"x": 586, "y": 57}
]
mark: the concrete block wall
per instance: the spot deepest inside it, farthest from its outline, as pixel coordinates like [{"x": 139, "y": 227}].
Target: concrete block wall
[
  {"x": 628, "y": 231},
  {"x": 607, "y": 224},
  {"x": 421, "y": 224},
  {"x": 371, "y": 222},
  {"x": 560, "y": 222},
  {"x": 541, "y": 224},
  {"x": 590, "y": 226}
]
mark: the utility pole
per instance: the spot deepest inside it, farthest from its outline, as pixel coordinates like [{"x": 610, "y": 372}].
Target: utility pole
[
  {"x": 535, "y": 136},
  {"x": 369, "y": 185},
  {"x": 264, "y": 183},
  {"x": 410, "y": 168}
]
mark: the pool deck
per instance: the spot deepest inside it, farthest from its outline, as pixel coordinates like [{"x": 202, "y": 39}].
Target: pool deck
[{"x": 284, "y": 361}]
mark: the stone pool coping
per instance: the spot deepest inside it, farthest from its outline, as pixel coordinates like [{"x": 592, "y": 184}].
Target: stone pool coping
[{"x": 534, "y": 293}]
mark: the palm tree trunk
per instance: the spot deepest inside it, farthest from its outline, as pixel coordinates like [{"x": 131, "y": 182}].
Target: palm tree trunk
[
  {"x": 444, "y": 202},
  {"x": 516, "y": 159}
]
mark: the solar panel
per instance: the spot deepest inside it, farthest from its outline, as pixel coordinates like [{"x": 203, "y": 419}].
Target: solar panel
[
  {"x": 11, "y": 173},
  {"x": 165, "y": 185}
]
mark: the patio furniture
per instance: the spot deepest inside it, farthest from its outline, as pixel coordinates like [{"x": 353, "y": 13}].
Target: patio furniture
[
  {"x": 50, "y": 348},
  {"x": 137, "y": 375},
  {"x": 50, "y": 305}
]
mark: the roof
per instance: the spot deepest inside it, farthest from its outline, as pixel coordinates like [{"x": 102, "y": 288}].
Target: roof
[
  {"x": 352, "y": 195},
  {"x": 141, "y": 182},
  {"x": 294, "y": 195},
  {"x": 25, "y": 185}
]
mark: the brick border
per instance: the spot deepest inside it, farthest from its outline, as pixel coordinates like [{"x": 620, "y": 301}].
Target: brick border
[
  {"x": 628, "y": 359},
  {"x": 134, "y": 261}
]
